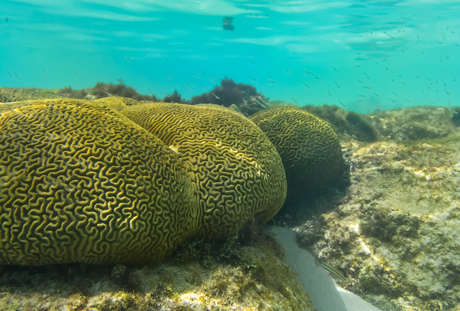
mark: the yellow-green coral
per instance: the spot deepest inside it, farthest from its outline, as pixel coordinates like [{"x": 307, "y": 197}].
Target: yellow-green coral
[
  {"x": 82, "y": 183},
  {"x": 237, "y": 170},
  {"x": 309, "y": 147},
  {"x": 116, "y": 102}
]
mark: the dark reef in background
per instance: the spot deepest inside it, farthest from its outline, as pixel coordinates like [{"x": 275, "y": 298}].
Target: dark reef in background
[
  {"x": 244, "y": 96},
  {"x": 455, "y": 116},
  {"x": 174, "y": 98},
  {"x": 356, "y": 125}
]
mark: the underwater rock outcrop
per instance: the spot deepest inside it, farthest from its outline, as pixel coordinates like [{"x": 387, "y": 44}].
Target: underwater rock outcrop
[
  {"x": 396, "y": 232},
  {"x": 415, "y": 123},
  {"x": 237, "y": 170},
  {"x": 231, "y": 275},
  {"x": 9, "y": 94},
  {"x": 82, "y": 183},
  {"x": 308, "y": 146},
  {"x": 347, "y": 124}
]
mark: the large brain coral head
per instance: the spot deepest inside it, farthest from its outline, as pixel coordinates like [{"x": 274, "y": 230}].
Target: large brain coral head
[
  {"x": 237, "y": 170},
  {"x": 80, "y": 182},
  {"x": 309, "y": 147}
]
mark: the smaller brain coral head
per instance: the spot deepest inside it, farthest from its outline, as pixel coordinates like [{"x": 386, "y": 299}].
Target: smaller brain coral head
[
  {"x": 236, "y": 169},
  {"x": 81, "y": 183},
  {"x": 309, "y": 147}
]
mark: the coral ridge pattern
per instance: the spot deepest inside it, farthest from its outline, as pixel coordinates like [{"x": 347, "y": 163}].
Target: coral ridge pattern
[
  {"x": 82, "y": 183},
  {"x": 237, "y": 170},
  {"x": 308, "y": 146}
]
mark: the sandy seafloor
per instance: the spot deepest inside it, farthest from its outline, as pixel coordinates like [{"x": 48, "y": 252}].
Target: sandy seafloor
[{"x": 394, "y": 233}]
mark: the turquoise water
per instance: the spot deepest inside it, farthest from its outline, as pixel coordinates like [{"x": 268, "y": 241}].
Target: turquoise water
[{"x": 363, "y": 55}]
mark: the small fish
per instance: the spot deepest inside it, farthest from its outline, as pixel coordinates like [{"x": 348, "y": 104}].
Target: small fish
[
  {"x": 270, "y": 79},
  {"x": 304, "y": 83},
  {"x": 6, "y": 19},
  {"x": 388, "y": 35},
  {"x": 338, "y": 86},
  {"x": 148, "y": 89},
  {"x": 342, "y": 103},
  {"x": 334, "y": 272},
  {"x": 108, "y": 94},
  {"x": 261, "y": 103},
  {"x": 287, "y": 71},
  {"x": 215, "y": 95}
]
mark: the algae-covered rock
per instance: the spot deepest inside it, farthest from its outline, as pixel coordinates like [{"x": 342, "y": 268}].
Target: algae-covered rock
[
  {"x": 415, "y": 123},
  {"x": 455, "y": 116},
  {"x": 9, "y": 94},
  {"x": 233, "y": 275},
  {"x": 347, "y": 124},
  {"x": 396, "y": 233}
]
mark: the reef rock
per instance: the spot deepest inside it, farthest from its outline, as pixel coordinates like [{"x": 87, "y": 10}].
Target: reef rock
[
  {"x": 395, "y": 232},
  {"x": 9, "y": 94},
  {"x": 415, "y": 123},
  {"x": 234, "y": 275}
]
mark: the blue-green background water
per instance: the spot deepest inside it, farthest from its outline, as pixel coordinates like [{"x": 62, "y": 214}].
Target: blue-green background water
[{"x": 364, "y": 55}]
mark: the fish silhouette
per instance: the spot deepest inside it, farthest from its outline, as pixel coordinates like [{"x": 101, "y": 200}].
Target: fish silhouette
[{"x": 227, "y": 23}]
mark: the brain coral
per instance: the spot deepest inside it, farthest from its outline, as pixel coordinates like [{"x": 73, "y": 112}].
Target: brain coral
[
  {"x": 237, "y": 170},
  {"x": 82, "y": 183},
  {"x": 309, "y": 147}
]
